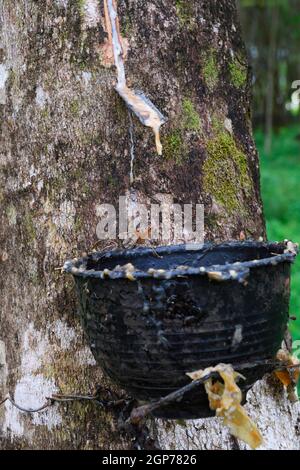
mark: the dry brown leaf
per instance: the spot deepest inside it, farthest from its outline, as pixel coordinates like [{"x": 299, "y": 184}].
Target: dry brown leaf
[
  {"x": 289, "y": 376},
  {"x": 226, "y": 399}
]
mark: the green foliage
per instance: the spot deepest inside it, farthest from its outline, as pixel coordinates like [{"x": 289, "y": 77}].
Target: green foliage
[
  {"x": 284, "y": 16},
  {"x": 263, "y": 3},
  {"x": 280, "y": 177}
]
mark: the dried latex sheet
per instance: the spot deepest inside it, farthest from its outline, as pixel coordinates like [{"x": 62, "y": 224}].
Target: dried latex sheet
[
  {"x": 142, "y": 107},
  {"x": 226, "y": 399}
]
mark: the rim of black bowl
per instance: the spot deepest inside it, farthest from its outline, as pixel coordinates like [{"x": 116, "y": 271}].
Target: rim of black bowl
[{"x": 281, "y": 252}]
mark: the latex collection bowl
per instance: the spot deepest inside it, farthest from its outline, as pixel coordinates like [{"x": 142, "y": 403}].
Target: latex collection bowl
[{"x": 151, "y": 316}]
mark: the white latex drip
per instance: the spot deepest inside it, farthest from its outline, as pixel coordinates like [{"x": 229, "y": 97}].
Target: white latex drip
[
  {"x": 132, "y": 149},
  {"x": 117, "y": 47}
]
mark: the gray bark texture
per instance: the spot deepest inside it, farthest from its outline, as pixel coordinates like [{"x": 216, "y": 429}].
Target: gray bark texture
[{"x": 65, "y": 149}]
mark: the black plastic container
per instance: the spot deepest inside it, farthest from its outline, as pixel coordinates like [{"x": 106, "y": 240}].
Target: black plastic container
[{"x": 181, "y": 309}]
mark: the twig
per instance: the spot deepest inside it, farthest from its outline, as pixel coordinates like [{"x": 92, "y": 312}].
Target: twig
[{"x": 140, "y": 413}]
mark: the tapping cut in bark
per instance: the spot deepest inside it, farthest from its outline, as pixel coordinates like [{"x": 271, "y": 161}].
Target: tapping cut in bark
[
  {"x": 226, "y": 399},
  {"x": 137, "y": 102}
]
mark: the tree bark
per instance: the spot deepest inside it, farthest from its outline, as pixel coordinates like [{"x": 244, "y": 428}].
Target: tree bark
[{"x": 65, "y": 149}]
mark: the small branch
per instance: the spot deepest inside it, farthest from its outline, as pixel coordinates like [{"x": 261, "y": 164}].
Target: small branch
[
  {"x": 142, "y": 412},
  {"x": 138, "y": 414}
]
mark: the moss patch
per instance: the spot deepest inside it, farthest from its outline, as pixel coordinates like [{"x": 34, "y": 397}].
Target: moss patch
[
  {"x": 238, "y": 73},
  {"x": 217, "y": 124},
  {"x": 184, "y": 11},
  {"x": 126, "y": 25},
  {"x": 74, "y": 107},
  {"x": 210, "y": 70},
  {"x": 175, "y": 145},
  {"x": 191, "y": 119},
  {"x": 225, "y": 172},
  {"x": 29, "y": 228},
  {"x": 80, "y": 6}
]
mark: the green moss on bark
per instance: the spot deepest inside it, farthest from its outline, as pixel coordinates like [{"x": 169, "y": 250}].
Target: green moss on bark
[
  {"x": 175, "y": 144},
  {"x": 29, "y": 228},
  {"x": 210, "y": 70},
  {"x": 191, "y": 118},
  {"x": 80, "y": 6},
  {"x": 184, "y": 12},
  {"x": 75, "y": 107},
  {"x": 225, "y": 172},
  {"x": 238, "y": 73}
]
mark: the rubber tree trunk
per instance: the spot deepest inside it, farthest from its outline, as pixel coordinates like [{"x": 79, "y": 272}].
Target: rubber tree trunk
[{"x": 65, "y": 149}]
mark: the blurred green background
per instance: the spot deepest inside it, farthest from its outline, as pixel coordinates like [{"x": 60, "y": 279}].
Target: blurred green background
[
  {"x": 271, "y": 30},
  {"x": 280, "y": 179}
]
